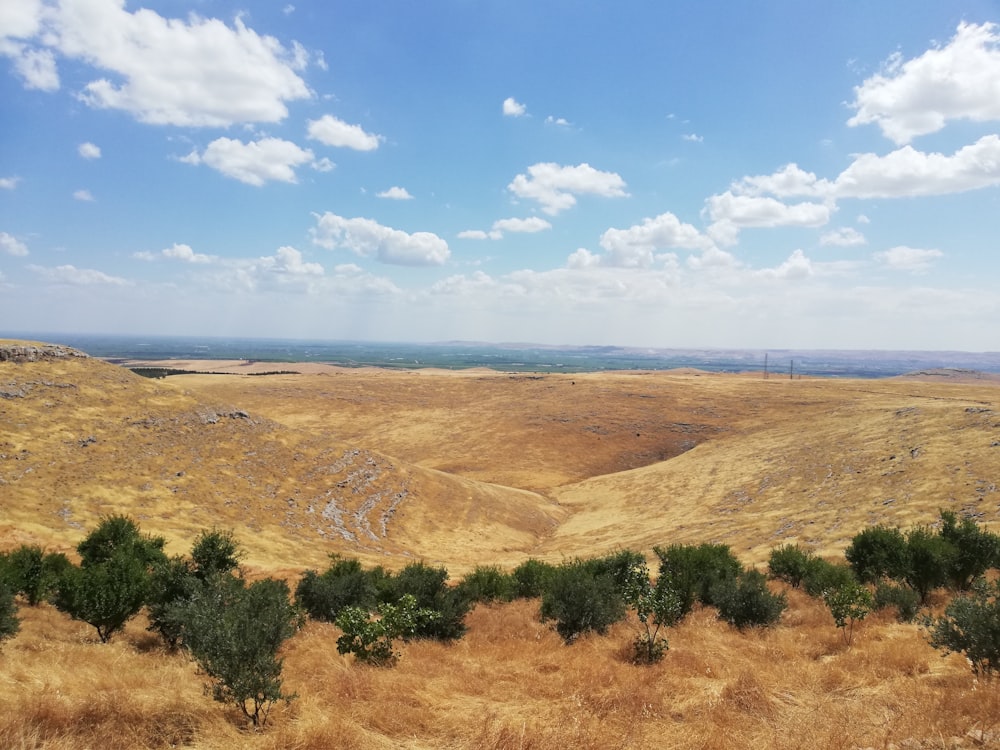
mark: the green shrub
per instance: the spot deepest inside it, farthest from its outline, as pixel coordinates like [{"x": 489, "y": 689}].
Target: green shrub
[
  {"x": 33, "y": 573},
  {"x": 746, "y": 601},
  {"x": 428, "y": 587},
  {"x": 971, "y": 626},
  {"x": 929, "y": 558},
  {"x": 531, "y": 578},
  {"x": 487, "y": 583},
  {"x": 371, "y": 641},
  {"x": 9, "y": 624},
  {"x": 105, "y": 595},
  {"x": 618, "y": 566},
  {"x": 823, "y": 575},
  {"x": 215, "y": 553},
  {"x": 172, "y": 582},
  {"x": 344, "y": 584},
  {"x": 878, "y": 552},
  {"x": 114, "y": 578},
  {"x": 975, "y": 549},
  {"x": 656, "y": 606},
  {"x": 849, "y": 604},
  {"x": 579, "y": 601},
  {"x": 789, "y": 563},
  {"x": 905, "y": 600},
  {"x": 234, "y": 631},
  {"x": 695, "y": 571}
]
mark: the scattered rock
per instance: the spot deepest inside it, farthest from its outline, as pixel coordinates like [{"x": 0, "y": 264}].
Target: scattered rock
[{"x": 32, "y": 353}]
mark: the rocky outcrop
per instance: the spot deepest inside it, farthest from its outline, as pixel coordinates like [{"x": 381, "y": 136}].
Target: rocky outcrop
[{"x": 10, "y": 352}]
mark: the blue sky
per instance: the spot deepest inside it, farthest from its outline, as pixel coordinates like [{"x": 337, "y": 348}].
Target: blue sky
[{"x": 685, "y": 174}]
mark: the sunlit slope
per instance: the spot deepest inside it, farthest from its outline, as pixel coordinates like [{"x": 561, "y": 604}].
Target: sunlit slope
[
  {"x": 809, "y": 461},
  {"x": 80, "y": 438}
]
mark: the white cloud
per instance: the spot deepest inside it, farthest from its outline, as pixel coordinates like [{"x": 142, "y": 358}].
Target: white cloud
[
  {"x": 473, "y": 234},
  {"x": 9, "y": 183},
  {"x": 693, "y": 137},
  {"x": 513, "y": 108},
  {"x": 958, "y": 81},
  {"x": 89, "y": 151},
  {"x": 729, "y": 213},
  {"x": 333, "y": 132},
  {"x": 798, "y": 266},
  {"x": 908, "y": 172},
  {"x": 555, "y": 187},
  {"x": 843, "y": 237},
  {"x": 77, "y": 276},
  {"x": 11, "y": 245},
  {"x": 368, "y": 238},
  {"x": 323, "y": 165},
  {"x": 288, "y": 9},
  {"x": 253, "y": 163},
  {"x": 395, "y": 193},
  {"x": 862, "y": 219},
  {"x": 910, "y": 259},
  {"x": 288, "y": 261},
  {"x": 789, "y": 181},
  {"x": 184, "y": 253},
  {"x": 195, "y": 72},
  {"x": 21, "y": 19},
  {"x": 560, "y": 121},
  {"x": 37, "y": 67},
  {"x": 83, "y": 195},
  {"x": 529, "y": 225},
  {"x": 637, "y": 246}
]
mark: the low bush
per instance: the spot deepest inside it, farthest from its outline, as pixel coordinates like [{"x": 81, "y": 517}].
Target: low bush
[
  {"x": 849, "y": 604},
  {"x": 657, "y": 606},
  {"x": 695, "y": 571},
  {"x": 531, "y": 578},
  {"x": 344, "y": 584},
  {"x": 580, "y": 601},
  {"x": 878, "y": 552},
  {"x": 371, "y": 640},
  {"x": 789, "y": 563},
  {"x": 905, "y": 600},
  {"x": 9, "y": 623},
  {"x": 428, "y": 586},
  {"x": 823, "y": 575},
  {"x": 487, "y": 583},
  {"x": 746, "y": 601},
  {"x": 971, "y": 626}
]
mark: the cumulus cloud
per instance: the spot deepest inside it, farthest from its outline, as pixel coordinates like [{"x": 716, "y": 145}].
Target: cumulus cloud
[
  {"x": 555, "y": 187},
  {"x": 560, "y": 121},
  {"x": 89, "y": 151},
  {"x": 960, "y": 80},
  {"x": 473, "y": 234},
  {"x": 37, "y": 67},
  {"x": 334, "y": 132},
  {"x": 529, "y": 225},
  {"x": 323, "y": 165},
  {"x": 83, "y": 195},
  {"x": 9, "y": 183},
  {"x": 637, "y": 246},
  {"x": 77, "y": 276},
  {"x": 908, "y": 172},
  {"x": 843, "y": 237},
  {"x": 788, "y": 182},
  {"x": 730, "y": 213},
  {"x": 254, "y": 163},
  {"x": 395, "y": 193},
  {"x": 11, "y": 245},
  {"x": 693, "y": 137},
  {"x": 181, "y": 252},
  {"x": 367, "y": 238},
  {"x": 166, "y": 71},
  {"x": 798, "y": 266},
  {"x": 513, "y": 108},
  {"x": 912, "y": 259}
]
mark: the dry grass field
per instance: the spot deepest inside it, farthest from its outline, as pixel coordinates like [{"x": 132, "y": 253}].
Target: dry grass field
[{"x": 479, "y": 467}]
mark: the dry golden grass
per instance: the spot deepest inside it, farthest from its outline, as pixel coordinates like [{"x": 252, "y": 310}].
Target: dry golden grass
[{"x": 492, "y": 468}]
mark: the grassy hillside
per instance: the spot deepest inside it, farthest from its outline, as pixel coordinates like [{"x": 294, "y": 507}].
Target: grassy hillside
[{"x": 478, "y": 467}]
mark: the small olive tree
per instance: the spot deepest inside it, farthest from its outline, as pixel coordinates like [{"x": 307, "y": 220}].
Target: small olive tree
[
  {"x": 971, "y": 626},
  {"x": 849, "y": 603},
  {"x": 657, "y": 606},
  {"x": 234, "y": 631},
  {"x": 371, "y": 640}
]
